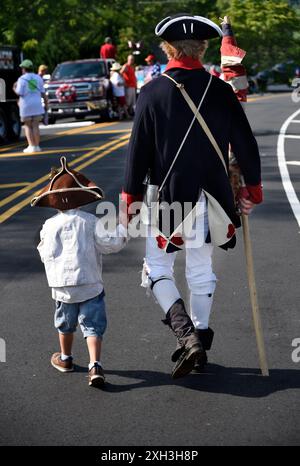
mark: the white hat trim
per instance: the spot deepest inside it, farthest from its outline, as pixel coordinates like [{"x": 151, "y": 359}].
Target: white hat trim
[
  {"x": 63, "y": 162},
  {"x": 66, "y": 190},
  {"x": 89, "y": 189},
  {"x": 159, "y": 31}
]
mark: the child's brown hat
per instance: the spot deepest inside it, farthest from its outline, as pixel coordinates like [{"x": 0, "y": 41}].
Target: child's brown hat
[{"x": 67, "y": 189}]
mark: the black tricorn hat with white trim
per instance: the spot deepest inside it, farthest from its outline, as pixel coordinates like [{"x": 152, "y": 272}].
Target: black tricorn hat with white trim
[
  {"x": 184, "y": 26},
  {"x": 67, "y": 189}
]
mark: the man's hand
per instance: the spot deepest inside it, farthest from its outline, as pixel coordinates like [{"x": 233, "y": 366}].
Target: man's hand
[
  {"x": 246, "y": 206},
  {"x": 248, "y": 196}
]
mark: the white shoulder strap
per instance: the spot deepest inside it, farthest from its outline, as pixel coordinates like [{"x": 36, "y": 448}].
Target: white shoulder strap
[
  {"x": 189, "y": 128},
  {"x": 199, "y": 117}
]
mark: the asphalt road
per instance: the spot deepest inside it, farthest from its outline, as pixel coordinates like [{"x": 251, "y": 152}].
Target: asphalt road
[{"x": 232, "y": 404}]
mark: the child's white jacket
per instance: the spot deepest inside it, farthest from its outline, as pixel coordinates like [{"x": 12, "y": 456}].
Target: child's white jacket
[{"x": 71, "y": 248}]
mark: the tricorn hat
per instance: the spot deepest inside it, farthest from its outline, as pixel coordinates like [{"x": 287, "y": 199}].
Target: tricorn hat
[
  {"x": 67, "y": 189},
  {"x": 184, "y": 26}
]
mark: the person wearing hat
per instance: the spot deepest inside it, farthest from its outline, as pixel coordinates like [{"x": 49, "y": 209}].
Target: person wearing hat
[
  {"x": 30, "y": 89},
  {"x": 118, "y": 89},
  {"x": 71, "y": 246},
  {"x": 153, "y": 70},
  {"x": 185, "y": 121},
  {"x": 108, "y": 50},
  {"x": 43, "y": 72}
]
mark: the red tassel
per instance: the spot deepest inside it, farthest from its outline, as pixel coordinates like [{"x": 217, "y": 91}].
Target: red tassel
[
  {"x": 177, "y": 240},
  {"x": 231, "y": 231},
  {"x": 161, "y": 242}
]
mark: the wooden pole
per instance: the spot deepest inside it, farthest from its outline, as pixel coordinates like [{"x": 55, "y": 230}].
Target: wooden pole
[{"x": 253, "y": 296}]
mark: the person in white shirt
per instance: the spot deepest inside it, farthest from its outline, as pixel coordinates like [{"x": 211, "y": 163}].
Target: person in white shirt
[
  {"x": 118, "y": 90},
  {"x": 30, "y": 89},
  {"x": 71, "y": 246}
]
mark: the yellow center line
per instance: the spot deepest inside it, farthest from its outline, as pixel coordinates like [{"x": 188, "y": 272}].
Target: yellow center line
[
  {"x": 35, "y": 183},
  {"x": 86, "y": 128},
  {"x": 61, "y": 133},
  {"x": 264, "y": 97},
  {"x": 17, "y": 207},
  {"x": 110, "y": 131},
  {"x": 45, "y": 152},
  {"x": 99, "y": 156},
  {"x": 12, "y": 185}
]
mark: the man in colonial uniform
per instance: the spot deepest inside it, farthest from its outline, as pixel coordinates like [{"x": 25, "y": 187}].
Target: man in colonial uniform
[{"x": 185, "y": 121}]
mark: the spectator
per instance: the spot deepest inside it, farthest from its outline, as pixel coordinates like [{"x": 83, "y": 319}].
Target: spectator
[
  {"x": 43, "y": 69},
  {"x": 118, "y": 89},
  {"x": 30, "y": 89},
  {"x": 154, "y": 68},
  {"x": 128, "y": 73},
  {"x": 108, "y": 50}
]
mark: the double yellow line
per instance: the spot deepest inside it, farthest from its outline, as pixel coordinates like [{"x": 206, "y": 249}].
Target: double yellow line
[
  {"x": 86, "y": 159},
  {"x": 69, "y": 132}
]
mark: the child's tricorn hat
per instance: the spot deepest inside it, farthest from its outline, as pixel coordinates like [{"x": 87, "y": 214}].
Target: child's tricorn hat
[
  {"x": 184, "y": 26},
  {"x": 67, "y": 189}
]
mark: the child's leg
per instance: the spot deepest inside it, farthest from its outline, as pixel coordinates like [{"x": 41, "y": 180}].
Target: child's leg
[
  {"x": 92, "y": 320},
  {"x": 66, "y": 342},
  {"x": 94, "y": 346},
  {"x": 65, "y": 320}
]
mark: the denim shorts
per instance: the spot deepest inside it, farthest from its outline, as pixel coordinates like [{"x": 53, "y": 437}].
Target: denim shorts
[{"x": 90, "y": 315}]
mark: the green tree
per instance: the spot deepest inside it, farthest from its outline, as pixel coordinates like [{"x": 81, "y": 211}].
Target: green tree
[
  {"x": 49, "y": 31},
  {"x": 267, "y": 30}
]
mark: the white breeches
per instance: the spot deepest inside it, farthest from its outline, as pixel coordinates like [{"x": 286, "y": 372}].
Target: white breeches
[{"x": 158, "y": 272}]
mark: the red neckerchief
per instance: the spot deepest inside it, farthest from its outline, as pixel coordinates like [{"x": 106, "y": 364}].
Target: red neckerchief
[{"x": 187, "y": 63}]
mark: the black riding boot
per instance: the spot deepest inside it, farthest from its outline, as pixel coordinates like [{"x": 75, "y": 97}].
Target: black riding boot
[
  {"x": 206, "y": 337},
  {"x": 190, "y": 345}
]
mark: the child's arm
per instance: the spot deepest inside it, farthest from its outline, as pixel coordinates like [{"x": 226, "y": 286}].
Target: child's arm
[
  {"x": 41, "y": 245},
  {"x": 110, "y": 242}
]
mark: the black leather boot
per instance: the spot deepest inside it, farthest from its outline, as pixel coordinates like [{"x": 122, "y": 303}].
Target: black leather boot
[
  {"x": 206, "y": 337},
  {"x": 190, "y": 345}
]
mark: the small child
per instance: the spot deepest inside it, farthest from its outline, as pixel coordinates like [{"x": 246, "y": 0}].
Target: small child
[
  {"x": 71, "y": 248},
  {"x": 118, "y": 89}
]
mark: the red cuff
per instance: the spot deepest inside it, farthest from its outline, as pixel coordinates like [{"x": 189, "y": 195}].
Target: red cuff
[
  {"x": 253, "y": 193},
  {"x": 131, "y": 198}
]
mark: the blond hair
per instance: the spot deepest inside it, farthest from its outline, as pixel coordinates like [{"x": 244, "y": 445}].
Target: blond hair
[{"x": 185, "y": 48}]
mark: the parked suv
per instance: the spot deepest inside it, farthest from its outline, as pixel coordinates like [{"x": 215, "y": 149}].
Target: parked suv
[{"x": 80, "y": 88}]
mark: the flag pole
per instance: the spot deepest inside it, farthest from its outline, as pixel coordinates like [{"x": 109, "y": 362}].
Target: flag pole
[{"x": 253, "y": 297}]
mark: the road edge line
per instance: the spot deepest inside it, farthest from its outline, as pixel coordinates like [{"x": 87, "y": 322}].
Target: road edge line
[{"x": 284, "y": 173}]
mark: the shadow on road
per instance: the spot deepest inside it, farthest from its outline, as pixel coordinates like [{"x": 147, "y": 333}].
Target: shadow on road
[{"x": 234, "y": 381}]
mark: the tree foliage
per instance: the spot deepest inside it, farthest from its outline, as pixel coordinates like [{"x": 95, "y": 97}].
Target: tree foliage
[{"x": 49, "y": 31}]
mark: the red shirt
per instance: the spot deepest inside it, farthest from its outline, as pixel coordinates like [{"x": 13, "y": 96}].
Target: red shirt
[
  {"x": 108, "y": 51},
  {"x": 129, "y": 76}
]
